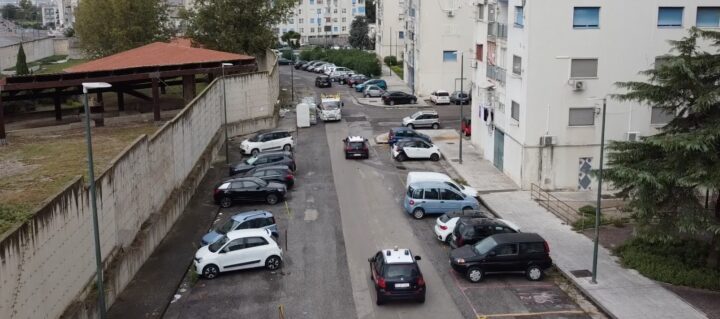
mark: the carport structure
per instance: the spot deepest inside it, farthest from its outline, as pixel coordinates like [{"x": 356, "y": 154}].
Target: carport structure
[{"x": 155, "y": 65}]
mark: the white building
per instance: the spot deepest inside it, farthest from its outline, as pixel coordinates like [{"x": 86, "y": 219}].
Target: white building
[
  {"x": 66, "y": 13},
  {"x": 323, "y": 22},
  {"x": 50, "y": 15},
  {"x": 536, "y": 113},
  {"x": 390, "y": 26},
  {"x": 437, "y": 34}
]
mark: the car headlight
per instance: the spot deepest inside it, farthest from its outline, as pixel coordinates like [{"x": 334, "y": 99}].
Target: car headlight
[{"x": 459, "y": 261}]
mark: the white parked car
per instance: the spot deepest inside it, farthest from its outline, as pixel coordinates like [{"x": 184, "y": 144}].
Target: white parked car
[
  {"x": 414, "y": 148},
  {"x": 440, "y": 97},
  {"x": 238, "y": 249},
  {"x": 263, "y": 141},
  {"x": 339, "y": 72},
  {"x": 327, "y": 68},
  {"x": 414, "y": 177}
]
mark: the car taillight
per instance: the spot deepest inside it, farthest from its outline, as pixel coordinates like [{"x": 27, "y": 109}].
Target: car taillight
[
  {"x": 348, "y": 149},
  {"x": 381, "y": 282},
  {"x": 443, "y": 227},
  {"x": 289, "y": 177},
  {"x": 365, "y": 147},
  {"x": 217, "y": 190},
  {"x": 412, "y": 202},
  {"x": 272, "y": 220},
  {"x": 547, "y": 248},
  {"x": 421, "y": 281}
]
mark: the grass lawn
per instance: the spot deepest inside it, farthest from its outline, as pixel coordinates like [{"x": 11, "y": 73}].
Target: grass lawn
[
  {"x": 33, "y": 168},
  {"x": 48, "y": 65},
  {"x": 398, "y": 69}
]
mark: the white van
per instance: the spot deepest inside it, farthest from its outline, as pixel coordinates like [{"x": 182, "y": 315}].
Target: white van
[{"x": 414, "y": 177}]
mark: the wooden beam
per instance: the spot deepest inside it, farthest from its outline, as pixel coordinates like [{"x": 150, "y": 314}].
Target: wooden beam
[
  {"x": 139, "y": 95},
  {"x": 121, "y": 101},
  {"x": 188, "y": 85},
  {"x": 58, "y": 105},
  {"x": 3, "y": 137},
  {"x": 156, "y": 98}
]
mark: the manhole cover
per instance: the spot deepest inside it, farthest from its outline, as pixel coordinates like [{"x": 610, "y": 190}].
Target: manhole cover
[
  {"x": 401, "y": 167},
  {"x": 355, "y": 118},
  {"x": 581, "y": 273}
]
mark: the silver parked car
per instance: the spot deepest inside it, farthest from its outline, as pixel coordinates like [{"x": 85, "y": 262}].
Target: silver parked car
[
  {"x": 373, "y": 91},
  {"x": 422, "y": 119}
]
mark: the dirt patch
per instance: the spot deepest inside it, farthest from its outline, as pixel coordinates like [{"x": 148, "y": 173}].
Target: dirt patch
[
  {"x": 611, "y": 236},
  {"x": 11, "y": 167}
]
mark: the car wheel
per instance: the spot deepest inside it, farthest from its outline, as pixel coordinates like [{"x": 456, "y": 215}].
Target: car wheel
[
  {"x": 287, "y": 148},
  {"x": 401, "y": 157},
  {"x": 435, "y": 126},
  {"x": 352, "y": 85},
  {"x": 392, "y": 102},
  {"x": 421, "y": 299},
  {"x": 534, "y": 273},
  {"x": 379, "y": 301},
  {"x": 255, "y": 152},
  {"x": 271, "y": 199},
  {"x": 210, "y": 271},
  {"x": 475, "y": 274},
  {"x": 418, "y": 213},
  {"x": 414, "y": 102},
  {"x": 435, "y": 157},
  {"x": 365, "y": 95},
  {"x": 273, "y": 262},
  {"x": 411, "y": 126},
  {"x": 225, "y": 202}
]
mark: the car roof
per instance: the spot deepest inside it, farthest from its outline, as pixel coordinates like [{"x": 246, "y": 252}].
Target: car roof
[
  {"x": 517, "y": 237},
  {"x": 428, "y": 184},
  {"x": 265, "y": 168},
  {"x": 429, "y": 176},
  {"x": 482, "y": 221},
  {"x": 398, "y": 256},
  {"x": 241, "y": 233},
  {"x": 356, "y": 139},
  {"x": 441, "y": 91},
  {"x": 243, "y": 216},
  {"x": 469, "y": 214},
  {"x": 261, "y": 154}
]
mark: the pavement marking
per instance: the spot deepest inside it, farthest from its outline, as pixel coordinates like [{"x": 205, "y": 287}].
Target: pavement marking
[
  {"x": 526, "y": 314},
  {"x": 287, "y": 209},
  {"x": 462, "y": 290}
]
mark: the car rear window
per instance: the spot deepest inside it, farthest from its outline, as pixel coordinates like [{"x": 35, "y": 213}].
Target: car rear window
[
  {"x": 444, "y": 218},
  {"x": 356, "y": 145},
  {"x": 443, "y": 94},
  {"x": 401, "y": 270}
]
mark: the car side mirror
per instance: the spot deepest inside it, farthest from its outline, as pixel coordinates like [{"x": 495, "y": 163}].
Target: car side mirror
[{"x": 417, "y": 257}]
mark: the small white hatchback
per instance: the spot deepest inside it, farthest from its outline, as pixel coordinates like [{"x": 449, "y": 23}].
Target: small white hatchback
[{"x": 239, "y": 249}]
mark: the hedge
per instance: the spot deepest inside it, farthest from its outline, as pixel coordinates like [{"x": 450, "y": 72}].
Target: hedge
[{"x": 358, "y": 60}]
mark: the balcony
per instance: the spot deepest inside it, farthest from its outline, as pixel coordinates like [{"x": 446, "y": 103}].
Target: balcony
[
  {"x": 496, "y": 73},
  {"x": 497, "y": 30}
]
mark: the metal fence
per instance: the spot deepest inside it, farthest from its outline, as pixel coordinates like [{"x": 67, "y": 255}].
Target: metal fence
[{"x": 562, "y": 210}]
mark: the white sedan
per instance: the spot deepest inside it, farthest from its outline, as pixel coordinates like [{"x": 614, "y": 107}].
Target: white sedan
[{"x": 403, "y": 150}]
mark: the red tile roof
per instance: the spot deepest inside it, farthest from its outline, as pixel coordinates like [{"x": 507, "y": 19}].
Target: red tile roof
[{"x": 157, "y": 54}]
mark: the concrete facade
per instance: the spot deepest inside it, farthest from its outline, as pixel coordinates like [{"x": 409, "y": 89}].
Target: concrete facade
[
  {"x": 437, "y": 35},
  {"x": 47, "y": 267},
  {"x": 528, "y": 59},
  {"x": 322, "y": 21},
  {"x": 390, "y": 28}
]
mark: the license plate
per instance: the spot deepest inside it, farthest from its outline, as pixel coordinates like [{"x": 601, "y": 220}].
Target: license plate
[
  {"x": 357, "y": 154},
  {"x": 403, "y": 285}
]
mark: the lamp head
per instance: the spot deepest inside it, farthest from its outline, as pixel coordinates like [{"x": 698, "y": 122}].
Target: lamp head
[{"x": 94, "y": 85}]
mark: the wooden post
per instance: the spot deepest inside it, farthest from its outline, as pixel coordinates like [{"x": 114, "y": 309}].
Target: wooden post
[
  {"x": 156, "y": 98},
  {"x": 188, "y": 87},
  {"x": 210, "y": 78},
  {"x": 58, "y": 106},
  {"x": 120, "y": 101},
  {"x": 3, "y": 137}
]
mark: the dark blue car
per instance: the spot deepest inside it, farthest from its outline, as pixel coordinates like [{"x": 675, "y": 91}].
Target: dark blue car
[
  {"x": 399, "y": 133},
  {"x": 380, "y": 83}
]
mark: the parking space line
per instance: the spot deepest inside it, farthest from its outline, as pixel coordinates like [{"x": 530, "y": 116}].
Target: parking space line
[
  {"x": 287, "y": 209},
  {"x": 462, "y": 290},
  {"x": 525, "y": 314}
]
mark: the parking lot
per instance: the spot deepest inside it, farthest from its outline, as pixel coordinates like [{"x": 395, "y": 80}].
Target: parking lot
[{"x": 339, "y": 213}]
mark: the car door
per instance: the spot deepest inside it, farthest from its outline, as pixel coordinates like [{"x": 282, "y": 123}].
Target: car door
[
  {"x": 506, "y": 256},
  {"x": 431, "y": 201},
  {"x": 236, "y": 191},
  {"x": 230, "y": 257},
  {"x": 253, "y": 190},
  {"x": 423, "y": 149},
  {"x": 411, "y": 149},
  {"x": 450, "y": 200},
  {"x": 376, "y": 267},
  {"x": 255, "y": 252}
]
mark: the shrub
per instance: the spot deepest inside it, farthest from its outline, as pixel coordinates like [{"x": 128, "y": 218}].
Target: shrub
[
  {"x": 390, "y": 60},
  {"x": 587, "y": 210},
  {"x": 398, "y": 69},
  {"x": 679, "y": 262}
]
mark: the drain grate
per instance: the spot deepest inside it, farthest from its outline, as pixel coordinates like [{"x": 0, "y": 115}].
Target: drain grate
[
  {"x": 581, "y": 273},
  {"x": 355, "y": 118},
  {"x": 456, "y": 160},
  {"x": 401, "y": 167}
]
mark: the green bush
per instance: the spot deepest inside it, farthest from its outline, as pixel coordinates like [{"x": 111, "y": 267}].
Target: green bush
[
  {"x": 357, "y": 60},
  {"x": 587, "y": 210},
  {"x": 287, "y": 54},
  {"x": 398, "y": 69},
  {"x": 390, "y": 60},
  {"x": 680, "y": 262}
]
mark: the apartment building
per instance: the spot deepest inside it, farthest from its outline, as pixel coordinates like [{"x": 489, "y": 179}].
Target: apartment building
[
  {"x": 438, "y": 34},
  {"x": 390, "y": 28},
  {"x": 50, "y": 15},
  {"x": 323, "y": 22},
  {"x": 543, "y": 69},
  {"x": 66, "y": 12}
]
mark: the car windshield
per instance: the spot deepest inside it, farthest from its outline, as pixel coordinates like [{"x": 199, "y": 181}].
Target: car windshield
[
  {"x": 228, "y": 226},
  {"x": 484, "y": 246},
  {"x": 455, "y": 186},
  {"x": 400, "y": 271},
  {"x": 214, "y": 247},
  {"x": 255, "y": 138},
  {"x": 331, "y": 105},
  {"x": 251, "y": 160}
]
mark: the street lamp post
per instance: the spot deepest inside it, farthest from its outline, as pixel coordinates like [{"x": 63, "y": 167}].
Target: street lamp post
[
  {"x": 93, "y": 200},
  {"x": 462, "y": 69},
  {"x": 227, "y": 145},
  {"x": 599, "y": 196}
]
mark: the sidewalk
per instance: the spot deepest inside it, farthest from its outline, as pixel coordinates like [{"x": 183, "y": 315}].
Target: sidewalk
[
  {"x": 620, "y": 292},
  {"x": 394, "y": 82}
]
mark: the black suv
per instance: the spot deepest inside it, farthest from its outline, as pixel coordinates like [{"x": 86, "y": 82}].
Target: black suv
[
  {"x": 248, "y": 189},
  {"x": 273, "y": 173},
  {"x": 356, "y": 147},
  {"x": 264, "y": 159},
  {"x": 396, "y": 275},
  {"x": 323, "y": 82},
  {"x": 469, "y": 231},
  {"x": 526, "y": 253}
]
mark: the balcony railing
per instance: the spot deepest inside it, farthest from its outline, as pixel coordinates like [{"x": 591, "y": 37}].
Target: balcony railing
[
  {"x": 496, "y": 73},
  {"x": 497, "y": 30}
]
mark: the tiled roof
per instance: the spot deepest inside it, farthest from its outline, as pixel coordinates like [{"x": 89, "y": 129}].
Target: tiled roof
[{"x": 157, "y": 54}]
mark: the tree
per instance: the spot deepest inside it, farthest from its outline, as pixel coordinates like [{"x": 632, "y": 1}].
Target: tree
[
  {"x": 666, "y": 176},
  {"x": 106, "y": 27},
  {"x": 21, "y": 67},
  {"x": 370, "y": 10},
  {"x": 243, "y": 26},
  {"x": 292, "y": 38},
  {"x": 9, "y": 12},
  {"x": 359, "y": 38}
]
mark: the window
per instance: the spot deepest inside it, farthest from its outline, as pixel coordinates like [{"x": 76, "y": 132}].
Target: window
[
  {"x": 255, "y": 241},
  {"x": 335, "y": 29},
  {"x": 479, "y": 52},
  {"x": 507, "y": 250},
  {"x": 302, "y": 30},
  {"x": 319, "y": 11},
  {"x": 449, "y": 56},
  {"x": 660, "y": 116},
  {"x": 301, "y": 20},
  {"x": 529, "y": 248},
  {"x": 335, "y": 10},
  {"x": 299, "y": 11},
  {"x": 583, "y": 68},
  {"x": 319, "y": 1},
  {"x": 517, "y": 65},
  {"x": 312, "y": 30},
  {"x": 312, "y": 1},
  {"x": 450, "y": 195},
  {"x": 344, "y": 20},
  {"x": 401, "y": 35},
  {"x": 361, "y": 10},
  {"x": 327, "y": 20},
  {"x": 519, "y": 21},
  {"x": 344, "y": 10},
  {"x": 291, "y": 20},
  {"x": 354, "y": 11},
  {"x": 334, "y": 19},
  {"x": 586, "y": 17},
  {"x": 312, "y": 20},
  {"x": 432, "y": 193},
  {"x": 670, "y": 17},
  {"x": 344, "y": 28},
  {"x": 416, "y": 193},
  {"x": 480, "y": 12},
  {"x": 582, "y": 116},
  {"x": 234, "y": 245},
  {"x": 515, "y": 111},
  {"x": 708, "y": 17}
]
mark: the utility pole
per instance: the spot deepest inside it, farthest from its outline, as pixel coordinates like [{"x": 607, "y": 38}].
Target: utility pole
[
  {"x": 391, "y": 36},
  {"x": 462, "y": 64},
  {"x": 599, "y": 196}
]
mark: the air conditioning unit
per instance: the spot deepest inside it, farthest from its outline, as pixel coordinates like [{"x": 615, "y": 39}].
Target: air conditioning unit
[
  {"x": 547, "y": 140},
  {"x": 450, "y": 13},
  {"x": 473, "y": 64},
  {"x": 632, "y": 136},
  {"x": 578, "y": 85}
]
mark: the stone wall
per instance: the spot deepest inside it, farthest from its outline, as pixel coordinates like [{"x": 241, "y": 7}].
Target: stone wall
[
  {"x": 47, "y": 265},
  {"x": 34, "y": 50}
]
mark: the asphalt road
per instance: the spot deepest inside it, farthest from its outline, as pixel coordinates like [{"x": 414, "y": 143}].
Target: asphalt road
[{"x": 339, "y": 214}]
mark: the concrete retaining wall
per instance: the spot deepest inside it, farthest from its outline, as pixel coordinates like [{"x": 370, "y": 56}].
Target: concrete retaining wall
[
  {"x": 34, "y": 50},
  {"x": 47, "y": 265}
]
